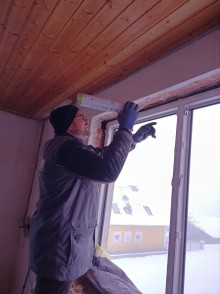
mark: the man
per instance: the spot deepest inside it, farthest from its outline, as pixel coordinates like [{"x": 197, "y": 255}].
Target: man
[{"x": 63, "y": 226}]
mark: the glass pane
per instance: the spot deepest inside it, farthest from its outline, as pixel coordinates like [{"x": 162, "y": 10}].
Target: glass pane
[
  {"x": 139, "y": 226},
  {"x": 202, "y": 265}
]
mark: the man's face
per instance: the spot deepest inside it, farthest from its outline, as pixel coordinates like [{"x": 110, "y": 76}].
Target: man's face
[{"x": 79, "y": 126}]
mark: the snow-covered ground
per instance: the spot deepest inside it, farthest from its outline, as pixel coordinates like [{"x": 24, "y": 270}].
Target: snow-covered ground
[{"x": 202, "y": 274}]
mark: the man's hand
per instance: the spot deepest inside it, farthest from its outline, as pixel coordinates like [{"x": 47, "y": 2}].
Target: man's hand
[
  {"x": 144, "y": 132},
  {"x": 128, "y": 116}
]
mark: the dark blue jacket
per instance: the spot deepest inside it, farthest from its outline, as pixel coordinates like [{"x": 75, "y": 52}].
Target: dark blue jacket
[{"x": 63, "y": 226}]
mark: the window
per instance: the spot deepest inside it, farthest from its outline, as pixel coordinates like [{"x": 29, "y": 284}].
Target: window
[
  {"x": 127, "y": 206},
  {"x": 115, "y": 208},
  {"x": 147, "y": 209},
  {"x": 171, "y": 203},
  {"x": 127, "y": 237},
  {"x": 202, "y": 265},
  {"x": 137, "y": 193},
  {"x": 117, "y": 237},
  {"x": 138, "y": 237}
]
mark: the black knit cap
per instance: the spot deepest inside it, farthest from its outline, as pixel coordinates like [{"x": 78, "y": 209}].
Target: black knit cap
[{"x": 62, "y": 117}]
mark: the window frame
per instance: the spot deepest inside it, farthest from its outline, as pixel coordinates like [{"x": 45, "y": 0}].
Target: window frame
[
  {"x": 138, "y": 236},
  {"x": 127, "y": 237},
  {"x": 183, "y": 108},
  {"x": 117, "y": 240}
]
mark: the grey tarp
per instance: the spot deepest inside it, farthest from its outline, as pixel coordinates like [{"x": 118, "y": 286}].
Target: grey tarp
[{"x": 108, "y": 278}]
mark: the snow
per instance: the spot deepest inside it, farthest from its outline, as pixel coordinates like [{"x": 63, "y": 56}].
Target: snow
[
  {"x": 138, "y": 216},
  {"x": 201, "y": 276},
  {"x": 138, "y": 220}
]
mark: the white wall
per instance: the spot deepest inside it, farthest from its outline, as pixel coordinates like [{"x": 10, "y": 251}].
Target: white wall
[
  {"x": 19, "y": 141},
  {"x": 194, "y": 59}
]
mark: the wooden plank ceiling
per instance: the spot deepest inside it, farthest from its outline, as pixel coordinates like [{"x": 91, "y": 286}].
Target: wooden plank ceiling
[{"x": 50, "y": 50}]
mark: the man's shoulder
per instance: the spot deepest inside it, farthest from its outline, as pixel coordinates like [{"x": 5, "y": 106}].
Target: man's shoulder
[
  {"x": 56, "y": 142},
  {"x": 61, "y": 139}
]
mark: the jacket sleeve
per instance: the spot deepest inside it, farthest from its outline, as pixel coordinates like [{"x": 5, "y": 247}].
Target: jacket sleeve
[{"x": 97, "y": 164}]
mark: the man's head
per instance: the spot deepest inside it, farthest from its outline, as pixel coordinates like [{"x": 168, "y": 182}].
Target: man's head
[{"x": 69, "y": 119}]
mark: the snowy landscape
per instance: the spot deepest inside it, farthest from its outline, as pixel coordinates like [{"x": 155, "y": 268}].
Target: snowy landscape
[{"x": 202, "y": 274}]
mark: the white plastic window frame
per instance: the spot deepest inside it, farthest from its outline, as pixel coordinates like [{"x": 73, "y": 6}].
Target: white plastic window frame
[
  {"x": 117, "y": 237},
  {"x": 183, "y": 108},
  {"x": 138, "y": 236},
  {"x": 127, "y": 237}
]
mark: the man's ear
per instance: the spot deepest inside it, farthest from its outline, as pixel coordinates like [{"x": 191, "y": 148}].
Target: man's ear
[{"x": 69, "y": 130}]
